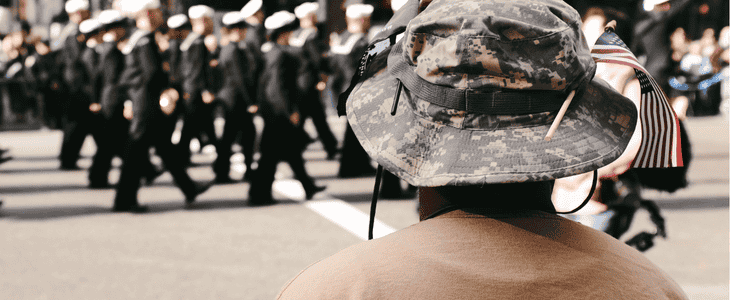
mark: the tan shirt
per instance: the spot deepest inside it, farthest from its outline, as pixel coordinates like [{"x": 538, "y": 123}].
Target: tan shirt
[{"x": 460, "y": 255}]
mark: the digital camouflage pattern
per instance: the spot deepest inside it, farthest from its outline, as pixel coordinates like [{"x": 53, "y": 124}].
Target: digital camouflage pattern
[
  {"x": 428, "y": 144},
  {"x": 512, "y": 44}
]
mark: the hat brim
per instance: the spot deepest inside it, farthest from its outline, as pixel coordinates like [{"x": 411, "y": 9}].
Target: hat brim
[{"x": 428, "y": 145}]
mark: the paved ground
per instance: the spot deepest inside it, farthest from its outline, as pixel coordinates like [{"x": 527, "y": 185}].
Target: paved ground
[{"x": 58, "y": 239}]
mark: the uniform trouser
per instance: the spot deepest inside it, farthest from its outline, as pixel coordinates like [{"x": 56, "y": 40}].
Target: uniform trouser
[
  {"x": 52, "y": 108},
  {"x": 280, "y": 141},
  {"x": 237, "y": 121},
  {"x": 80, "y": 122},
  {"x": 112, "y": 144},
  {"x": 136, "y": 155},
  {"x": 354, "y": 161},
  {"x": 314, "y": 109},
  {"x": 198, "y": 118}
]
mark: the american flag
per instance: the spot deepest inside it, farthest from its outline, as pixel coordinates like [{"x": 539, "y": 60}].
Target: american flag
[{"x": 660, "y": 144}]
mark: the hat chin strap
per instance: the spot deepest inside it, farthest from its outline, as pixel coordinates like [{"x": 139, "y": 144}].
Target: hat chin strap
[
  {"x": 379, "y": 172},
  {"x": 593, "y": 189}
]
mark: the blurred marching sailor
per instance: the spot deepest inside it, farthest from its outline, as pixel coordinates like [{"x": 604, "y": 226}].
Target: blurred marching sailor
[
  {"x": 74, "y": 76},
  {"x": 255, "y": 35},
  {"x": 283, "y": 138},
  {"x": 178, "y": 29},
  {"x": 145, "y": 82},
  {"x": 346, "y": 49},
  {"x": 308, "y": 43},
  {"x": 236, "y": 96},
  {"x": 113, "y": 125},
  {"x": 196, "y": 90}
]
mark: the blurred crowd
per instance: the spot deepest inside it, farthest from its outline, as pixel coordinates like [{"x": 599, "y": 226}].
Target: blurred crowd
[
  {"x": 135, "y": 80},
  {"x": 682, "y": 43},
  {"x": 282, "y": 66}
]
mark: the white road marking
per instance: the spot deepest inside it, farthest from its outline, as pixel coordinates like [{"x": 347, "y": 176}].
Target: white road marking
[{"x": 337, "y": 211}]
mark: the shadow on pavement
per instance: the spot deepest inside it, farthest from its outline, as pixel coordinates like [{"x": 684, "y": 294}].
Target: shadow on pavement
[
  {"x": 66, "y": 187},
  {"x": 57, "y": 212},
  {"x": 694, "y": 203}
]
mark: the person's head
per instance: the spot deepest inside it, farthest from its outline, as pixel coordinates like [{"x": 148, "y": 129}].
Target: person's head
[
  {"x": 358, "y": 17},
  {"x": 77, "y": 10},
  {"x": 17, "y": 38},
  {"x": 147, "y": 14},
  {"x": 695, "y": 48},
  {"x": 113, "y": 25},
  {"x": 307, "y": 14},
  {"x": 90, "y": 29},
  {"x": 279, "y": 27},
  {"x": 179, "y": 27},
  {"x": 235, "y": 26},
  {"x": 252, "y": 12},
  {"x": 594, "y": 21},
  {"x": 7, "y": 45},
  {"x": 678, "y": 40},
  {"x": 201, "y": 18},
  {"x": 211, "y": 43},
  {"x": 480, "y": 95},
  {"x": 657, "y": 5}
]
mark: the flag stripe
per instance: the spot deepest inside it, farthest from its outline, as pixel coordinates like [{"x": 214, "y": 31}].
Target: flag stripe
[{"x": 660, "y": 145}]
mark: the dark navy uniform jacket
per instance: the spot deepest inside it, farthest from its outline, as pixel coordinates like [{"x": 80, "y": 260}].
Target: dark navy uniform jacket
[
  {"x": 144, "y": 80},
  {"x": 193, "y": 65},
  {"x": 279, "y": 85},
  {"x": 236, "y": 68},
  {"x": 111, "y": 65},
  {"x": 71, "y": 63},
  {"x": 344, "y": 57}
]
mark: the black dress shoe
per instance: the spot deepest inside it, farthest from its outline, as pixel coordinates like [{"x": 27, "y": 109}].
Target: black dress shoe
[
  {"x": 313, "y": 190},
  {"x": 131, "y": 208},
  {"x": 223, "y": 180},
  {"x": 332, "y": 153},
  {"x": 70, "y": 167},
  {"x": 198, "y": 189},
  {"x": 5, "y": 159},
  {"x": 261, "y": 202}
]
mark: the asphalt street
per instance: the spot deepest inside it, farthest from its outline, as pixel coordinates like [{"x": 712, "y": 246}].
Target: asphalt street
[{"x": 59, "y": 240}]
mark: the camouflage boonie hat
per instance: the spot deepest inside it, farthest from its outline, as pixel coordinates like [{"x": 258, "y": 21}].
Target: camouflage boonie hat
[{"x": 483, "y": 81}]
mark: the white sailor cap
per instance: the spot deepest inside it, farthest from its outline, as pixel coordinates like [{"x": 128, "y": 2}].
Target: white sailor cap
[
  {"x": 134, "y": 6},
  {"x": 232, "y": 18},
  {"x": 395, "y": 5},
  {"x": 356, "y": 11},
  {"x": 305, "y": 9},
  {"x": 73, "y": 6},
  {"x": 279, "y": 19},
  {"x": 177, "y": 21},
  {"x": 110, "y": 16},
  {"x": 251, "y": 8},
  {"x": 650, "y": 4},
  {"x": 89, "y": 25},
  {"x": 199, "y": 11}
]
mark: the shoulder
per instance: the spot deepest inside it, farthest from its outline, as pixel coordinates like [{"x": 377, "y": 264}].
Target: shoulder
[
  {"x": 331, "y": 278},
  {"x": 455, "y": 257},
  {"x": 139, "y": 38},
  {"x": 192, "y": 38},
  {"x": 360, "y": 269}
]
